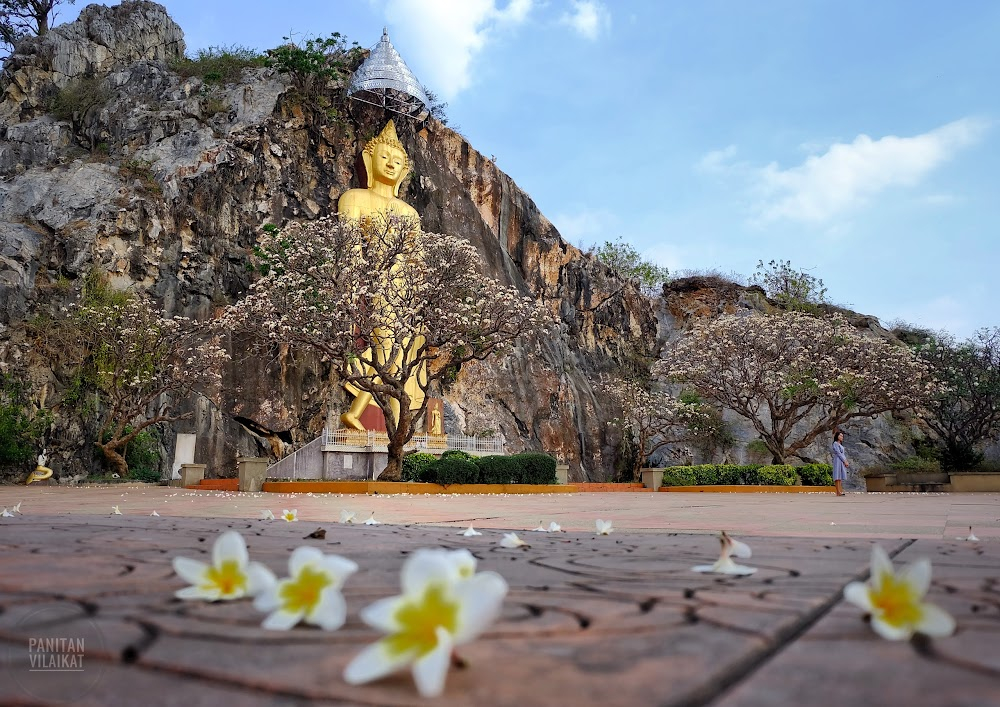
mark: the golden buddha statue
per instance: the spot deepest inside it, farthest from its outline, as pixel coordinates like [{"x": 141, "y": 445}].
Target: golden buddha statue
[{"x": 386, "y": 165}]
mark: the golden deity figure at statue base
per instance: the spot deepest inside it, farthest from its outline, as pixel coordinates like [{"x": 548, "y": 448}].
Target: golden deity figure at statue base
[
  {"x": 386, "y": 165},
  {"x": 41, "y": 471}
]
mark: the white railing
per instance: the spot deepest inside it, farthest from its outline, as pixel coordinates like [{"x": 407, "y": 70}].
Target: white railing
[
  {"x": 288, "y": 467},
  {"x": 379, "y": 440}
]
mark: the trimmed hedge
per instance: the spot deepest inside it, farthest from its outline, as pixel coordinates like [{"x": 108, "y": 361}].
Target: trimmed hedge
[
  {"x": 535, "y": 468},
  {"x": 455, "y": 470},
  {"x": 415, "y": 465},
  {"x": 816, "y": 474},
  {"x": 458, "y": 467},
  {"x": 497, "y": 469},
  {"x": 747, "y": 475}
]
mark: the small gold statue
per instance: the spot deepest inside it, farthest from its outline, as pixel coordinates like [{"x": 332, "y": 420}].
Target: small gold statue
[
  {"x": 41, "y": 471},
  {"x": 386, "y": 165}
]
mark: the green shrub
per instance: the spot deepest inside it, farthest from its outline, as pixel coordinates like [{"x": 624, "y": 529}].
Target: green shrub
[
  {"x": 815, "y": 474},
  {"x": 315, "y": 61},
  {"x": 917, "y": 465},
  {"x": 78, "y": 97},
  {"x": 142, "y": 455},
  {"x": 679, "y": 476},
  {"x": 535, "y": 468},
  {"x": 497, "y": 469},
  {"x": 455, "y": 470},
  {"x": 777, "y": 475},
  {"x": 414, "y": 463},
  {"x": 21, "y": 428},
  {"x": 218, "y": 65},
  {"x": 458, "y": 454}
]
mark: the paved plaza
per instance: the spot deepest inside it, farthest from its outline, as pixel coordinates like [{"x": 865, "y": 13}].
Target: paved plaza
[{"x": 602, "y": 620}]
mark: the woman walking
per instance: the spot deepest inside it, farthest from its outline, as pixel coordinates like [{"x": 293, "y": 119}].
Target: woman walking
[{"x": 839, "y": 462}]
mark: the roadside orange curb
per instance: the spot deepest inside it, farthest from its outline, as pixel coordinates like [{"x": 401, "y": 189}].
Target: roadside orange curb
[
  {"x": 747, "y": 489},
  {"x": 392, "y": 487}
]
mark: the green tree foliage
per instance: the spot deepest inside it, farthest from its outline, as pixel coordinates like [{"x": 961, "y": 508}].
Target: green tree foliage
[
  {"x": 791, "y": 288},
  {"x": 22, "y": 425},
  {"x": 314, "y": 62},
  {"x": 966, "y": 412},
  {"x": 22, "y": 18},
  {"x": 628, "y": 264}
]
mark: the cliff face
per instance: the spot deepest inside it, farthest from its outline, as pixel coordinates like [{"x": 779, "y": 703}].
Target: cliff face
[{"x": 163, "y": 182}]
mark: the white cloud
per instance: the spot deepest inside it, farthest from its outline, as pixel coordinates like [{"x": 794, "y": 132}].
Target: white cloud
[
  {"x": 849, "y": 174},
  {"x": 446, "y": 36},
  {"x": 588, "y": 18},
  {"x": 948, "y": 313},
  {"x": 717, "y": 160}
]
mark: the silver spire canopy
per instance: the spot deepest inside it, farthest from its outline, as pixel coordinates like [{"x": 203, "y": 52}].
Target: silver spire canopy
[{"x": 385, "y": 80}]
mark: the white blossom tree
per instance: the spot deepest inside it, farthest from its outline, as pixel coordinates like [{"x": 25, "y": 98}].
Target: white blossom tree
[
  {"x": 386, "y": 303},
  {"x": 795, "y": 376},
  {"x": 653, "y": 418},
  {"x": 142, "y": 365}
]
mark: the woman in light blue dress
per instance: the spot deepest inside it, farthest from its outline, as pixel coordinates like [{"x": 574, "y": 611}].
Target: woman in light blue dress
[{"x": 839, "y": 462}]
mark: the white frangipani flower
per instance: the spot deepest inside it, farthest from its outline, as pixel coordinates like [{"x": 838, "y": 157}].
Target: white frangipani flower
[
  {"x": 6, "y": 514},
  {"x": 17, "y": 509},
  {"x": 266, "y": 514},
  {"x": 154, "y": 513},
  {"x": 725, "y": 564},
  {"x": 346, "y": 516},
  {"x": 230, "y": 576},
  {"x": 444, "y": 604},
  {"x": 116, "y": 511},
  {"x": 372, "y": 521},
  {"x": 511, "y": 540},
  {"x": 311, "y": 593},
  {"x": 470, "y": 532},
  {"x": 972, "y": 536},
  {"x": 604, "y": 527},
  {"x": 895, "y": 601},
  {"x": 290, "y": 515},
  {"x": 555, "y": 527},
  {"x": 540, "y": 529}
]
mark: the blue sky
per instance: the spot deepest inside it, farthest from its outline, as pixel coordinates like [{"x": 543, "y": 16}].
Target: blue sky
[{"x": 860, "y": 140}]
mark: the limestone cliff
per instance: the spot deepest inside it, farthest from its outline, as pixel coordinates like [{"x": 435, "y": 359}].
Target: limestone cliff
[{"x": 163, "y": 182}]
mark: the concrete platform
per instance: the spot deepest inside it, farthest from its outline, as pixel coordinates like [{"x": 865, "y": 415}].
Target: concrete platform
[{"x": 615, "y": 620}]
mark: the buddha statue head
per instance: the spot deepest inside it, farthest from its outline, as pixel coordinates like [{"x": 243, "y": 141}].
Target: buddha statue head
[{"x": 385, "y": 159}]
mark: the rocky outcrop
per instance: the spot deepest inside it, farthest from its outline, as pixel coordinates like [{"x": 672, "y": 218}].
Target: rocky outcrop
[{"x": 165, "y": 181}]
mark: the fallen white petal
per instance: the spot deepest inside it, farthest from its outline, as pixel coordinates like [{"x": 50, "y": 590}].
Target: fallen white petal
[
  {"x": 346, "y": 516},
  {"x": 511, "y": 540},
  {"x": 430, "y": 670},
  {"x": 471, "y": 532}
]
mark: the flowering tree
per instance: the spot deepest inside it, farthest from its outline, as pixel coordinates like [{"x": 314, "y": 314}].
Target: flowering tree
[
  {"x": 386, "y": 303},
  {"x": 794, "y": 376},
  {"x": 966, "y": 411},
  {"x": 142, "y": 364},
  {"x": 653, "y": 419}
]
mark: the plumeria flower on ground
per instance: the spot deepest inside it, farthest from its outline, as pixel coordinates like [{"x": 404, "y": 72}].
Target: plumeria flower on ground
[
  {"x": 17, "y": 509},
  {"x": 541, "y": 528},
  {"x": 372, "y": 521},
  {"x": 725, "y": 564},
  {"x": 444, "y": 604},
  {"x": 154, "y": 513},
  {"x": 895, "y": 601},
  {"x": 230, "y": 576},
  {"x": 6, "y": 514},
  {"x": 116, "y": 511},
  {"x": 511, "y": 540},
  {"x": 604, "y": 527},
  {"x": 290, "y": 515},
  {"x": 346, "y": 516},
  {"x": 311, "y": 593},
  {"x": 555, "y": 527},
  {"x": 972, "y": 536},
  {"x": 266, "y": 514},
  {"x": 470, "y": 532}
]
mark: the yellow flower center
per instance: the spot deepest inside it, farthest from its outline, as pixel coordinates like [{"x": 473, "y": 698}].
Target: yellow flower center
[
  {"x": 419, "y": 621},
  {"x": 896, "y": 602},
  {"x": 228, "y": 578},
  {"x": 302, "y": 593},
  {"x": 289, "y": 516}
]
